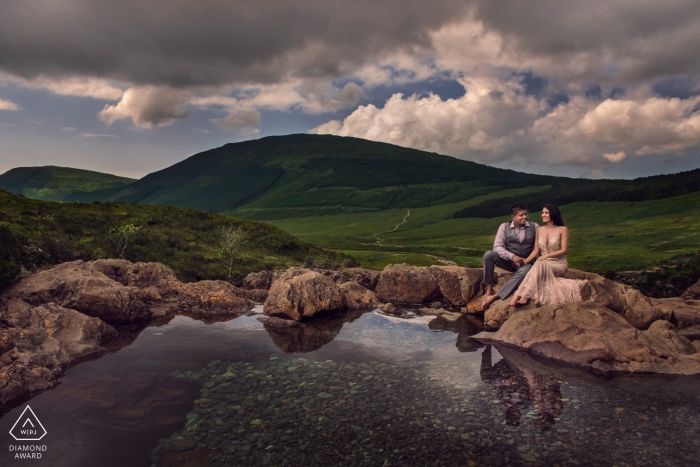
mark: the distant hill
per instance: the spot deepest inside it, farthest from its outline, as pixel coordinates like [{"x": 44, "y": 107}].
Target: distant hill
[
  {"x": 290, "y": 175},
  {"x": 51, "y": 183},
  {"x": 284, "y": 177}
]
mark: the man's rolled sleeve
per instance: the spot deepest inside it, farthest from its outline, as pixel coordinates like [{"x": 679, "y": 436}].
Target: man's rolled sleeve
[{"x": 500, "y": 242}]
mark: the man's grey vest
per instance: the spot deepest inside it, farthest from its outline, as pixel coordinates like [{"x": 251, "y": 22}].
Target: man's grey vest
[{"x": 514, "y": 246}]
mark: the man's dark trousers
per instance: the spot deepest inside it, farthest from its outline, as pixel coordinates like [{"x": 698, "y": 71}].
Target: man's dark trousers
[{"x": 491, "y": 259}]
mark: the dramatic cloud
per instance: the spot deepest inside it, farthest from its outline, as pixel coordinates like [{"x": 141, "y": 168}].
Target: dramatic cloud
[
  {"x": 7, "y": 105},
  {"x": 555, "y": 82},
  {"x": 496, "y": 121},
  {"x": 211, "y": 42}
]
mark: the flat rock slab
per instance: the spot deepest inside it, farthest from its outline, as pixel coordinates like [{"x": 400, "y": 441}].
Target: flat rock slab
[{"x": 593, "y": 336}]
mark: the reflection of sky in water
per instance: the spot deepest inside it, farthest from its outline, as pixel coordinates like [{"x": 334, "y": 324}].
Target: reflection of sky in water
[
  {"x": 379, "y": 330},
  {"x": 118, "y": 407}
]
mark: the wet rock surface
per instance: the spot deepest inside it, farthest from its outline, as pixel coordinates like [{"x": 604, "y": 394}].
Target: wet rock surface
[
  {"x": 593, "y": 336},
  {"x": 38, "y": 343}
]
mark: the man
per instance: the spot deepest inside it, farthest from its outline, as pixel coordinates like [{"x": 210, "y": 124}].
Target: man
[{"x": 514, "y": 242}]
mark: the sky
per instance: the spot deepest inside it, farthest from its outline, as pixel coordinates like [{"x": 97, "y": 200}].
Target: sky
[{"x": 602, "y": 88}]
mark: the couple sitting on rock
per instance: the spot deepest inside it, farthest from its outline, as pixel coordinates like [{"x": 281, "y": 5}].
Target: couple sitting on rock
[{"x": 517, "y": 247}]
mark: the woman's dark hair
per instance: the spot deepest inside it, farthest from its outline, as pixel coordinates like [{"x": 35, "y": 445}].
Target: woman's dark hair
[{"x": 554, "y": 214}]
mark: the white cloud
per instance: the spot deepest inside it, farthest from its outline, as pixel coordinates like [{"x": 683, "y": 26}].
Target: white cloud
[
  {"x": 615, "y": 157},
  {"x": 79, "y": 86},
  {"x": 496, "y": 122},
  {"x": 8, "y": 105},
  {"x": 149, "y": 106}
]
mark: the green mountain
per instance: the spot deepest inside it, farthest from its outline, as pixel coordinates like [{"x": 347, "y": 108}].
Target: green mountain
[
  {"x": 282, "y": 177},
  {"x": 35, "y": 234},
  {"x": 51, "y": 183},
  {"x": 287, "y": 176}
]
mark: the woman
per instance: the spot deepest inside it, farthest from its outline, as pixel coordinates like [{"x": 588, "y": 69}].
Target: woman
[{"x": 544, "y": 283}]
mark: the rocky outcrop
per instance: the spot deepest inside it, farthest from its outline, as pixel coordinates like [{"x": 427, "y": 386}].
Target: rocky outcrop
[
  {"x": 638, "y": 310},
  {"x": 592, "y": 336},
  {"x": 300, "y": 293},
  {"x": 78, "y": 286},
  {"x": 119, "y": 291},
  {"x": 38, "y": 343},
  {"x": 358, "y": 297}
]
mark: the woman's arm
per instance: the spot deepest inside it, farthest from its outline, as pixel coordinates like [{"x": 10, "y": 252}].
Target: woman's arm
[
  {"x": 564, "y": 245},
  {"x": 536, "y": 249}
]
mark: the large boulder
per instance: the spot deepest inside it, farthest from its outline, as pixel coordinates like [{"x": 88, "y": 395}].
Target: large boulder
[
  {"x": 300, "y": 293},
  {"x": 595, "y": 337},
  {"x": 402, "y": 283},
  {"x": 358, "y": 297},
  {"x": 640, "y": 311},
  {"x": 38, "y": 343},
  {"x": 457, "y": 285},
  {"x": 78, "y": 286}
]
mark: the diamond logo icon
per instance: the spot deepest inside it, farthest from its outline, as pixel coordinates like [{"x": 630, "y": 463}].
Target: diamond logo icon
[{"x": 28, "y": 427}]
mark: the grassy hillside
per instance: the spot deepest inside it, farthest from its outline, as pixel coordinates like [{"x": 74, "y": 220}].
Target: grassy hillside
[
  {"x": 52, "y": 183},
  {"x": 36, "y": 234},
  {"x": 607, "y": 237}
]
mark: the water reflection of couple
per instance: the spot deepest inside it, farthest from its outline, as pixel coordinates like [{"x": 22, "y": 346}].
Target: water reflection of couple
[
  {"x": 519, "y": 388},
  {"x": 537, "y": 256}
]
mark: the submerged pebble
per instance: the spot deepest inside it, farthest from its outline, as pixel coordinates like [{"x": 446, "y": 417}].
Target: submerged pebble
[{"x": 295, "y": 411}]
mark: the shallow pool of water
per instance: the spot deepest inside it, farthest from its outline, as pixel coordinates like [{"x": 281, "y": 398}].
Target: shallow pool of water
[{"x": 359, "y": 389}]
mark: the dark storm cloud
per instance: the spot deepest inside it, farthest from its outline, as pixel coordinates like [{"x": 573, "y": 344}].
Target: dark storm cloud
[
  {"x": 632, "y": 39},
  {"x": 209, "y": 42}
]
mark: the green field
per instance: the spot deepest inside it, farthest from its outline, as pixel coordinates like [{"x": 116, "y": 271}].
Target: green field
[{"x": 609, "y": 236}]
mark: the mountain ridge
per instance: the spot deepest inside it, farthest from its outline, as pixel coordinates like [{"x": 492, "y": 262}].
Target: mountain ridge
[{"x": 296, "y": 175}]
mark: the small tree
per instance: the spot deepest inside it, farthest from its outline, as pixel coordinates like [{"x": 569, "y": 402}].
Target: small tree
[
  {"x": 230, "y": 238},
  {"x": 120, "y": 236}
]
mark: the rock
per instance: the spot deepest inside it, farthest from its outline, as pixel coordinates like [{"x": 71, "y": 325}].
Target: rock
[
  {"x": 182, "y": 443},
  {"x": 407, "y": 284},
  {"x": 500, "y": 278},
  {"x": 300, "y": 293},
  {"x": 457, "y": 285},
  {"x": 693, "y": 292},
  {"x": 692, "y": 333},
  {"x": 367, "y": 278},
  {"x": 212, "y": 297},
  {"x": 685, "y": 312},
  {"x": 258, "y": 280},
  {"x": 141, "y": 275},
  {"x": 595, "y": 337},
  {"x": 390, "y": 308},
  {"x": 255, "y": 295},
  {"x": 358, "y": 297},
  {"x": 39, "y": 343},
  {"x": 638, "y": 310},
  {"x": 78, "y": 286}
]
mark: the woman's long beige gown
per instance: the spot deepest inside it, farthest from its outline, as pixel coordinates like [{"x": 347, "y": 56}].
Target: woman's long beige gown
[{"x": 544, "y": 283}]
